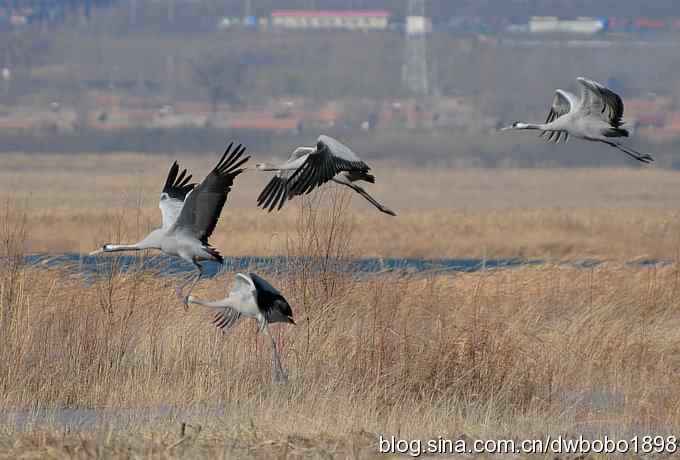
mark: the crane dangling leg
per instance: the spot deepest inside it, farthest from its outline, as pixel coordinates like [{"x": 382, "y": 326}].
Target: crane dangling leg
[
  {"x": 279, "y": 374},
  {"x": 179, "y": 289},
  {"x": 641, "y": 157}
]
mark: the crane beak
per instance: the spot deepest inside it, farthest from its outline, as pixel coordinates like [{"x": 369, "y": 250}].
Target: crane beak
[
  {"x": 94, "y": 253},
  {"x": 507, "y": 128}
]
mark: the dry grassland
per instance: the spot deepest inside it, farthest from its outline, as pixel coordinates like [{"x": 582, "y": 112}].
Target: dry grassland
[
  {"x": 78, "y": 202},
  {"x": 517, "y": 353}
]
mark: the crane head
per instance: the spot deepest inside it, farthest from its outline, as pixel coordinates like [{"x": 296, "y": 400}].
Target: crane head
[
  {"x": 104, "y": 248},
  {"x": 516, "y": 125},
  {"x": 264, "y": 166}
]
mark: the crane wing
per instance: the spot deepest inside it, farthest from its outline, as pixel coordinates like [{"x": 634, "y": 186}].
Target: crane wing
[
  {"x": 270, "y": 300},
  {"x": 226, "y": 318},
  {"x": 243, "y": 286},
  {"x": 242, "y": 291},
  {"x": 339, "y": 149},
  {"x": 600, "y": 100},
  {"x": 203, "y": 205},
  {"x": 563, "y": 103},
  {"x": 174, "y": 192},
  {"x": 322, "y": 165},
  {"x": 277, "y": 191}
]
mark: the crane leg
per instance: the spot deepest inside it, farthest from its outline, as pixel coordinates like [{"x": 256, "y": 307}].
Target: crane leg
[
  {"x": 279, "y": 375},
  {"x": 642, "y": 157},
  {"x": 193, "y": 280}
]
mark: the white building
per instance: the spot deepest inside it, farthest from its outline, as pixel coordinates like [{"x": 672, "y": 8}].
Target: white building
[{"x": 552, "y": 24}]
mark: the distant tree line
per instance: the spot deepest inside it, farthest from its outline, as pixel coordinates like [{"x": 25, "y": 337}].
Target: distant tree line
[
  {"x": 49, "y": 10},
  {"x": 438, "y": 10}
]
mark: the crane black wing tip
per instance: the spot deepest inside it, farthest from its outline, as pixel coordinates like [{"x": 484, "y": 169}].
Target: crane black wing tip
[
  {"x": 282, "y": 202},
  {"x": 214, "y": 253},
  {"x": 172, "y": 175},
  {"x": 229, "y": 156},
  {"x": 241, "y": 162},
  {"x": 280, "y": 197},
  {"x": 265, "y": 191},
  {"x": 223, "y": 157},
  {"x": 177, "y": 183},
  {"x": 186, "y": 180},
  {"x": 229, "y": 167},
  {"x": 301, "y": 185},
  {"x": 220, "y": 321},
  {"x": 272, "y": 195}
]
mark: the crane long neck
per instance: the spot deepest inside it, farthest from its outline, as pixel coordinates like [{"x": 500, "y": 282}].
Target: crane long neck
[
  {"x": 210, "y": 303},
  {"x": 289, "y": 165},
  {"x": 151, "y": 241},
  {"x": 538, "y": 126},
  {"x": 123, "y": 247},
  {"x": 268, "y": 167}
]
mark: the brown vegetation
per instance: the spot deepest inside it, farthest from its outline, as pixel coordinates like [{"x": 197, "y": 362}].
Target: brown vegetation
[
  {"x": 516, "y": 353},
  {"x": 496, "y": 354},
  {"x": 76, "y": 203}
]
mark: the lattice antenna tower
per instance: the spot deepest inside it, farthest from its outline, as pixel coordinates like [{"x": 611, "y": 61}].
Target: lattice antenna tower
[{"x": 414, "y": 74}]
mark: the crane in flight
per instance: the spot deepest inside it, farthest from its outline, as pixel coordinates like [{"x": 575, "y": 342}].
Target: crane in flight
[
  {"x": 252, "y": 296},
  {"x": 594, "y": 116},
  {"x": 189, "y": 215}
]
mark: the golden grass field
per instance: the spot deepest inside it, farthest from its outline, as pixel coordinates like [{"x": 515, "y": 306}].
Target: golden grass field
[
  {"x": 516, "y": 353},
  {"x": 78, "y": 202}
]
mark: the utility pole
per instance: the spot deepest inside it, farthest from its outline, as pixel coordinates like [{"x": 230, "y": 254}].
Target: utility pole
[
  {"x": 414, "y": 74},
  {"x": 171, "y": 11},
  {"x": 133, "y": 12}
]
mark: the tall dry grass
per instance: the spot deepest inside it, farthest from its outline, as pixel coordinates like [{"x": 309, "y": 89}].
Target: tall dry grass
[
  {"x": 13, "y": 237},
  {"x": 75, "y": 201},
  {"x": 512, "y": 353},
  {"x": 319, "y": 247}
]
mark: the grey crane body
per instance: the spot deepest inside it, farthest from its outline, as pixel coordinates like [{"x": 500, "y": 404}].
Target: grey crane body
[
  {"x": 594, "y": 116},
  {"x": 254, "y": 297},
  {"x": 190, "y": 213},
  {"x": 170, "y": 243},
  {"x": 310, "y": 167}
]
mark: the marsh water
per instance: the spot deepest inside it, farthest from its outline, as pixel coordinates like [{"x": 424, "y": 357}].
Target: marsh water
[{"x": 171, "y": 266}]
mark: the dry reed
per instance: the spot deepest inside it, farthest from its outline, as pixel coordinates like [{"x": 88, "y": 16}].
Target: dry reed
[
  {"x": 509, "y": 353},
  {"x": 517, "y": 353}
]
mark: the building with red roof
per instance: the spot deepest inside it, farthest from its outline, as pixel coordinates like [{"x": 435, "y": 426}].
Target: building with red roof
[{"x": 331, "y": 19}]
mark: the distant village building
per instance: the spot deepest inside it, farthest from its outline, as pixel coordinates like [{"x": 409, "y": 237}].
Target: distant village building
[
  {"x": 326, "y": 19},
  {"x": 581, "y": 25}
]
